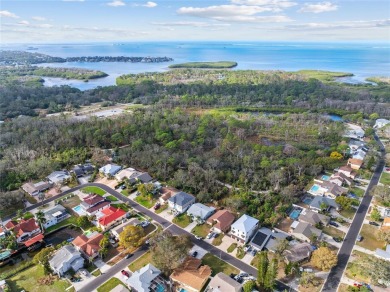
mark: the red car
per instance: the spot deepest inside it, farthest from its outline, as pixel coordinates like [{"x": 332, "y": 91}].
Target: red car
[
  {"x": 358, "y": 284},
  {"x": 157, "y": 206},
  {"x": 124, "y": 273}
]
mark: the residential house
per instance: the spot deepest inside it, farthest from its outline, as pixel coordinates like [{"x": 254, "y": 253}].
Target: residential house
[
  {"x": 340, "y": 179},
  {"x": 191, "y": 276},
  {"x": 133, "y": 176},
  {"x": 34, "y": 189},
  {"x": 58, "y": 177},
  {"x": 54, "y": 215},
  {"x": 165, "y": 194},
  {"x": 383, "y": 254},
  {"x": 360, "y": 154},
  {"x": 117, "y": 230},
  {"x": 80, "y": 170},
  {"x": 244, "y": 228},
  {"x": 355, "y": 144},
  {"x": 298, "y": 253},
  {"x": 348, "y": 171},
  {"x": 145, "y": 278},
  {"x": 94, "y": 203},
  {"x": 24, "y": 230},
  {"x": 313, "y": 218},
  {"x": 88, "y": 246},
  {"x": 200, "y": 212},
  {"x": 2, "y": 232},
  {"x": 318, "y": 201},
  {"x": 332, "y": 190},
  {"x": 355, "y": 163},
  {"x": 305, "y": 231},
  {"x": 111, "y": 216},
  {"x": 385, "y": 211},
  {"x": 266, "y": 238},
  {"x": 223, "y": 283},
  {"x": 110, "y": 169},
  {"x": 66, "y": 258},
  {"x": 380, "y": 123},
  {"x": 181, "y": 202},
  {"x": 221, "y": 221}
]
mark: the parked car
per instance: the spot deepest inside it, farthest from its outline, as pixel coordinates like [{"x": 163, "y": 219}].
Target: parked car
[
  {"x": 70, "y": 239},
  {"x": 198, "y": 237},
  {"x": 194, "y": 254},
  {"x": 373, "y": 223},
  {"x": 253, "y": 252},
  {"x": 359, "y": 238},
  {"x": 145, "y": 223},
  {"x": 337, "y": 239},
  {"x": 157, "y": 206},
  {"x": 210, "y": 235},
  {"x": 247, "y": 248},
  {"x": 125, "y": 273},
  {"x": 333, "y": 224},
  {"x": 129, "y": 255},
  {"x": 356, "y": 284},
  {"x": 243, "y": 275},
  {"x": 238, "y": 279}
]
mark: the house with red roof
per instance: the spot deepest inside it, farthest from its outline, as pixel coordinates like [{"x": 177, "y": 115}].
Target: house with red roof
[
  {"x": 221, "y": 221},
  {"x": 94, "y": 203},
  {"x": 111, "y": 216},
  {"x": 24, "y": 230},
  {"x": 88, "y": 246}
]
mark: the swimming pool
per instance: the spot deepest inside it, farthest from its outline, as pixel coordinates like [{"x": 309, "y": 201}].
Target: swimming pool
[
  {"x": 79, "y": 210},
  {"x": 307, "y": 200},
  {"x": 160, "y": 288},
  {"x": 183, "y": 290},
  {"x": 315, "y": 188},
  {"x": 295, "y": 214},
  {"x": 325, "y": 177}
]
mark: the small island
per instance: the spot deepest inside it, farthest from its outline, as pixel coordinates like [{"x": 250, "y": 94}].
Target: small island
[
  {"x": 205, "y": 65},
  {"x": 321, "y": 75}
]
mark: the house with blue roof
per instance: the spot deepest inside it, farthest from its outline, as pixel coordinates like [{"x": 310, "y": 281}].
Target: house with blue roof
[{"x": 181, "y": 202}]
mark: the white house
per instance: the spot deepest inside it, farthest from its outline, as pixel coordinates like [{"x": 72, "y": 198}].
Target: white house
[
  {"x": 54, "y": 215},
  {"x": 200, "y": 211},
  {"x": 66, "y": 258},
  {"x": 181, "y": 202},
  {"x": 244, "y": 228},
  {"x": 58, "y": 177},
  {"x": 133, "y": 175},
  {"x": 24, "y": 230},
  {"x": 110, "y": 169},
  {"x": 380, "y": 123},
  {"x": 143, "y": 279}
]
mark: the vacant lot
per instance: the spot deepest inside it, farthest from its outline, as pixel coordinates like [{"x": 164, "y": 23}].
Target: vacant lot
[
  {"x": 370, "y": 241},
  {"x": 218, "y": 265},
  {"x": 28, "y": 280}
]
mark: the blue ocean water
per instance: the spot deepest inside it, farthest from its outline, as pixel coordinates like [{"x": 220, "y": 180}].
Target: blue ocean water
[{"x": 363, "y": 60}]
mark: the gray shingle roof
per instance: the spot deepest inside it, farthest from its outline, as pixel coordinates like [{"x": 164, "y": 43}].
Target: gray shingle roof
[
  {"x": 181, "y": 198},
  {"x": 245, "y": 223},
  {"x": 200, "y": 210},
  {"x": 141, "y": 280},
  {"x": 63, "y": 255}
]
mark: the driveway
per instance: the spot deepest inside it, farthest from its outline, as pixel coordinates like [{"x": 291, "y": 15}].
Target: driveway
[
  {"x": 201, "y": 251},
  {"x": 166, "y": 214},
  {"x": 226, "y": 243},
  {"x": 190, "y": 226}
]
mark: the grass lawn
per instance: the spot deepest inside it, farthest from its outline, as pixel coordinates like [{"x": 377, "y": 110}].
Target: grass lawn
[
  {"x": 122, "y": 206},
  {"x": 97, "y": 273},
  {"x": 145, "y": 201},
  {"x": 232, "y": 247},
  {"x": 111, "y": 198},
  {"x": 357, "y": 191},
  {"x": 27, "y": 280},
  {"x": 218, "y": 265},
  {"x": 125, "y": 193},
  {"x": 385, "y": 178},
  {"x": 312, "y": 288},
  {"x": 348, "y": 213},
  {"x": 68, "y": 221},
  {"x": 240, "y": 253},
  {"x": 183, "y": 220},
  {"x": 111, "y": 284},
  {"x": 218, "y": 240},
  {"x": 331, "y": 231},
  {"x": 162, "y": 208},
  {"x": 354, "y": 273},
  {"x": 141, "y": 262},
  {"x": 201, "y": 230},
  {"x": 95, "y": 190},
  {"x": 370, "y": 241}
]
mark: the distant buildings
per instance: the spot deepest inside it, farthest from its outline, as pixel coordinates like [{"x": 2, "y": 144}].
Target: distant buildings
[{"x": 380, "y": 123}]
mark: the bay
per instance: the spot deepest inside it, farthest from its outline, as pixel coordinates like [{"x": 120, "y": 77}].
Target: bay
[{"x": 363, "y": 60}]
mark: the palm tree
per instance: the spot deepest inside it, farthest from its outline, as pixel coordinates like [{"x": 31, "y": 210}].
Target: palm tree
[{"x": 40, "y": 217}]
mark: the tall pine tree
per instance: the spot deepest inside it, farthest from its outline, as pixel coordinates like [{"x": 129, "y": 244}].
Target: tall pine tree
[
  {"x": 270, "y": 276},
  {"x": 262, "y": 268}
]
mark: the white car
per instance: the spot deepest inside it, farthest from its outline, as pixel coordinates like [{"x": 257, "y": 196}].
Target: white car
[
  {"x": 198, "y": 237},
  {"x": 145, "y": 223}
]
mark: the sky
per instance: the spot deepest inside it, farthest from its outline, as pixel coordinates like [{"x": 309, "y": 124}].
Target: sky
[{"x": 50, "y": 21}]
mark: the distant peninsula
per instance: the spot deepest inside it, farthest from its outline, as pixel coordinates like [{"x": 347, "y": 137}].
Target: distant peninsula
[
  {"x": 11, "y": 58},
  {"x": 205, "y": 65}
]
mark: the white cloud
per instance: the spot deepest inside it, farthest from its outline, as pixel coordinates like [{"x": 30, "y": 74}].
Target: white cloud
[
  {"x": 116, "y": 3},
  {"x": 24, "y": 22},
  {"x": 341, "y": 25},
  {"x": 6, "y": 13},
  {"x": 233, "y": 13},
  {"x": 319, "y": 7},
  {"x": 191, "y": 23},
  {"x": 38, "y": 18},
  {"x": 150, "y": 4},
  {"x": 270, "y": 3}
]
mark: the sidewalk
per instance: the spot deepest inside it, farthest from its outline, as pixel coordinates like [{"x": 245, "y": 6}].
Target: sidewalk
[{"x": 362, "y": 249}]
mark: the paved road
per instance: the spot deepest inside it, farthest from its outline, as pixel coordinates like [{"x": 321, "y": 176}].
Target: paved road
[
  {"x": 166, "y": 225},
  {"x": 336, "y": 273}
]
